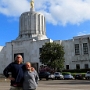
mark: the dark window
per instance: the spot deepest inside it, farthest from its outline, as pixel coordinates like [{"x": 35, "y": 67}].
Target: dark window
[
  {"x": 35, "y": 65},
  {"x": 77, "y": 49},
  {"x": 85, "y": 48},
  {"x": 86, "y": 66},
  {"x": 67, "y": 66},
  {"x": 40, "y": 50},
  {"x": 77, "y": 66}
]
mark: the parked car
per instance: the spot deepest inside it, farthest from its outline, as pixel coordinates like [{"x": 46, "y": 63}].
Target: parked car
[
  {"x": 68, "y": 76},
  {"x": 79, "y": 76},
  {"x": 87, "y": 75},
  {"x": 44, "y": 74},
  {"x": 51, "y": 76},
  {"x": 58, "y": 75}
]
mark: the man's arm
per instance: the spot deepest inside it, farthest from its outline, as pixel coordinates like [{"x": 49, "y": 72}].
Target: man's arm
[{"x": 7, "y": 70}]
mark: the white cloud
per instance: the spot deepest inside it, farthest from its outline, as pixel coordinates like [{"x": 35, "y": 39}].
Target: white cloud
[
  {"x": 55, "y": 11},
  {"x": 83, "y": 33},
  {"x": 13, "y": 7}
]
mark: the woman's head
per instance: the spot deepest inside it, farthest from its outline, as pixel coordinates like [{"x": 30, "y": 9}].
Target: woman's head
[{"x": 29, "y": 67}]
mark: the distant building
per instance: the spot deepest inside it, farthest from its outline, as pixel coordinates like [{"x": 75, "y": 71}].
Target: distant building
[
  {"x": 77, "y": 52},
  {"x": 32, "y": 35}
]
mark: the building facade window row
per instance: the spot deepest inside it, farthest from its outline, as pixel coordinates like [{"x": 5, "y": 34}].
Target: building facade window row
[
  {"x": 86, "y": 66},
  {"x": 84, "y": 48}
]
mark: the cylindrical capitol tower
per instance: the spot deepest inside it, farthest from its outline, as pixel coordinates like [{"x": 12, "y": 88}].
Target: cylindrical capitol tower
[{"x": 32, "y": 25}]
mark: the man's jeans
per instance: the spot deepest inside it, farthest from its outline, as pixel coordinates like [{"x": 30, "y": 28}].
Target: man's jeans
[{"x": 16, "y": 88}]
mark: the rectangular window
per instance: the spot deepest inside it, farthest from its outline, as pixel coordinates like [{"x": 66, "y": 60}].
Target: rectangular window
[
  {"x": 67, "y": 67},
  {"x": 77, "y": 66},
  {"x": 40, "y": 50},
  {"x": 35, "y": 65},
  {"x": 77, "y": 49},
  {"x": 85, "y": 48},
  {"x": 86, "y": 66}
]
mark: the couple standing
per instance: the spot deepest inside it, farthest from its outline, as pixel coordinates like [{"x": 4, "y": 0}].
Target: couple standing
[{"x": 23, "y": 76}]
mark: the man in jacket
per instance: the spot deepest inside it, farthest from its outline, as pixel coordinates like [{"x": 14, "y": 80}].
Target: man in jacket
[{"x": 16, "y": 69}]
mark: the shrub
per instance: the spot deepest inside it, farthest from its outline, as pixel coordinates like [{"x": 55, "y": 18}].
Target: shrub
[{"x": 66, "y": 73}]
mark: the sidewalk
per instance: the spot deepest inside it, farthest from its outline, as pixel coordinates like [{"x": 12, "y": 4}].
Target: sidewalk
[
  {"x": 53, "y": 84},
  {"x": 2, "y": 76}
]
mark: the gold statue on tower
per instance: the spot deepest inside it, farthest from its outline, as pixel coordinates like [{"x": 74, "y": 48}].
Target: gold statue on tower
[{"x": 32, "y": 3}]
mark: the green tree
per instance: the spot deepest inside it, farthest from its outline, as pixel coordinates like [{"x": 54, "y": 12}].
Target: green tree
[{"x": 52, "y": 55}]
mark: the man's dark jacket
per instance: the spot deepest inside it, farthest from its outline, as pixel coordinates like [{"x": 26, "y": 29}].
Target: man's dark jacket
[{"x": 17, "y": 72}]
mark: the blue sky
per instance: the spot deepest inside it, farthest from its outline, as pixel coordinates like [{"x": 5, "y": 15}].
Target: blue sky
[{"x": 65, "y": 19}]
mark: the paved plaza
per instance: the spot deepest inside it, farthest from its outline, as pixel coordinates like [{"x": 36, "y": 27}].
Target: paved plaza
[{"x": 54, "y": 85}]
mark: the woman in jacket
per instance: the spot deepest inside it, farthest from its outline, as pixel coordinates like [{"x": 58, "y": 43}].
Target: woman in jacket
[{"x": 30, "y": 78}]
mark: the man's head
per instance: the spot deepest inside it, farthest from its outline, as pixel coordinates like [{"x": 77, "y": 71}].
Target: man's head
[{"x": 19, "y": 59}]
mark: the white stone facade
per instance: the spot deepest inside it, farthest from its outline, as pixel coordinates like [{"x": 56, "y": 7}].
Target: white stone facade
[
  {"x": 76, "y": 61},
  {"x": 29, "y": 49},
  {"x": 32, "y": 26},
  {"x": 32, "y": 35}
]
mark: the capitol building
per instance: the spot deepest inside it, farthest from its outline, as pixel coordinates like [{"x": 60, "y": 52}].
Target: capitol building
[{"x": 32, "y": 35}]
